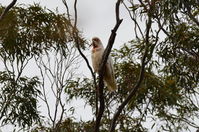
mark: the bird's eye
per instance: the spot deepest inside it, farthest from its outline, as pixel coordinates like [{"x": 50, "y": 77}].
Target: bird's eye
[{"x": 96, "y": 39}]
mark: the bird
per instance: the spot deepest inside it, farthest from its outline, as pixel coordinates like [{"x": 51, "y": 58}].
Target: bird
[{"x": 96, "y": 56}]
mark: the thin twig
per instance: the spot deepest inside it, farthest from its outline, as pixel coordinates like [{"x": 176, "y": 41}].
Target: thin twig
[
  {"x": 78, "y": 46},
  {"x": 7, "y": 9},
  {"x": 67, "y": 9},
  {"x": 75, "y": 34},
  {"x": 43, "y": 89},
  {"x": 134, "y": 20}
]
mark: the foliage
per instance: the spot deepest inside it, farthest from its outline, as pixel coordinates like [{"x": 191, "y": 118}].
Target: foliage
[
  {"x": 68, "y": 125},
  {"x": 32, "y": 30},
  {"x": 28, "y": 33},
  {"x": 18, "y": 100},
  {"x": 169, "y": 90},
  {"x": 179, "y": 52},
  {"x": 159, "y": 96}
]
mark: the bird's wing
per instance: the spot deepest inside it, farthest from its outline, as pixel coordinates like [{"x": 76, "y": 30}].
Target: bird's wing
[
  {"x": 109, "y": 75},
  {"x": 110, "y": 66}
]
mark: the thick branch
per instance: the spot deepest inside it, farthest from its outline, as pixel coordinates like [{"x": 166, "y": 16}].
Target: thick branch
[
  {"x": 102, "y": 66},
  {"x": 7, "y": 9}
]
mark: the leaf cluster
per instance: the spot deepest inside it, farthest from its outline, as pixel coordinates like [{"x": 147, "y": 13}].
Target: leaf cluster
[
  {"x": 18, "y": 100},
  {"x": 159, "y": 96},
  {"x": 33, "y": 30},
  {"x": 27, "y": 33}
]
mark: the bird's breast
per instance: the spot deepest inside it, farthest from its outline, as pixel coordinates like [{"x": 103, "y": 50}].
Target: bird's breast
[{"x": 96, "y": 59}]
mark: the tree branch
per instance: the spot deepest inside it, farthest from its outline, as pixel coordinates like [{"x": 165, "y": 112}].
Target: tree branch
[
  {"x": 102, "y": 65},
  {"x": 75, "y": 34},
  {"x": 134, "y": 20},
  {"x": 141, "y": 76},
  {"x": 129, "y": 97},
  {"x": 78, "y": 46},
  {"x": 7, "y": 9},
  {"x": 67, "y": 9}
]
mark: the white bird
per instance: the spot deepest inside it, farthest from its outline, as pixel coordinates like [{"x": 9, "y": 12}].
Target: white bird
[{"x": 97, "y": 53}]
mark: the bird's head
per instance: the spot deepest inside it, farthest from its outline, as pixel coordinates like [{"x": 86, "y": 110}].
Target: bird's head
[{"x": 96, "y": 42}]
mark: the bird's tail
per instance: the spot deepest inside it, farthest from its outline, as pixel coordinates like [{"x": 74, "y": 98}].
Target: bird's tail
[{"x": 111, "y": 83}]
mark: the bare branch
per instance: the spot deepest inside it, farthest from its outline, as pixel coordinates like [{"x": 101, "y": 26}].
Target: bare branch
[
  {"x": 75, "y": 34},
  {"x": 7, "y": 9},
  {"x": 67, "y": 9},
  {"x": 102, "y": 65},
  {"x": 134, "y": 20},
  {"x": 43, "y": 89}
]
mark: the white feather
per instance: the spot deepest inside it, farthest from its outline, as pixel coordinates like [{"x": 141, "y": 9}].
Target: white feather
[{"x": 97, "y": 53}]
